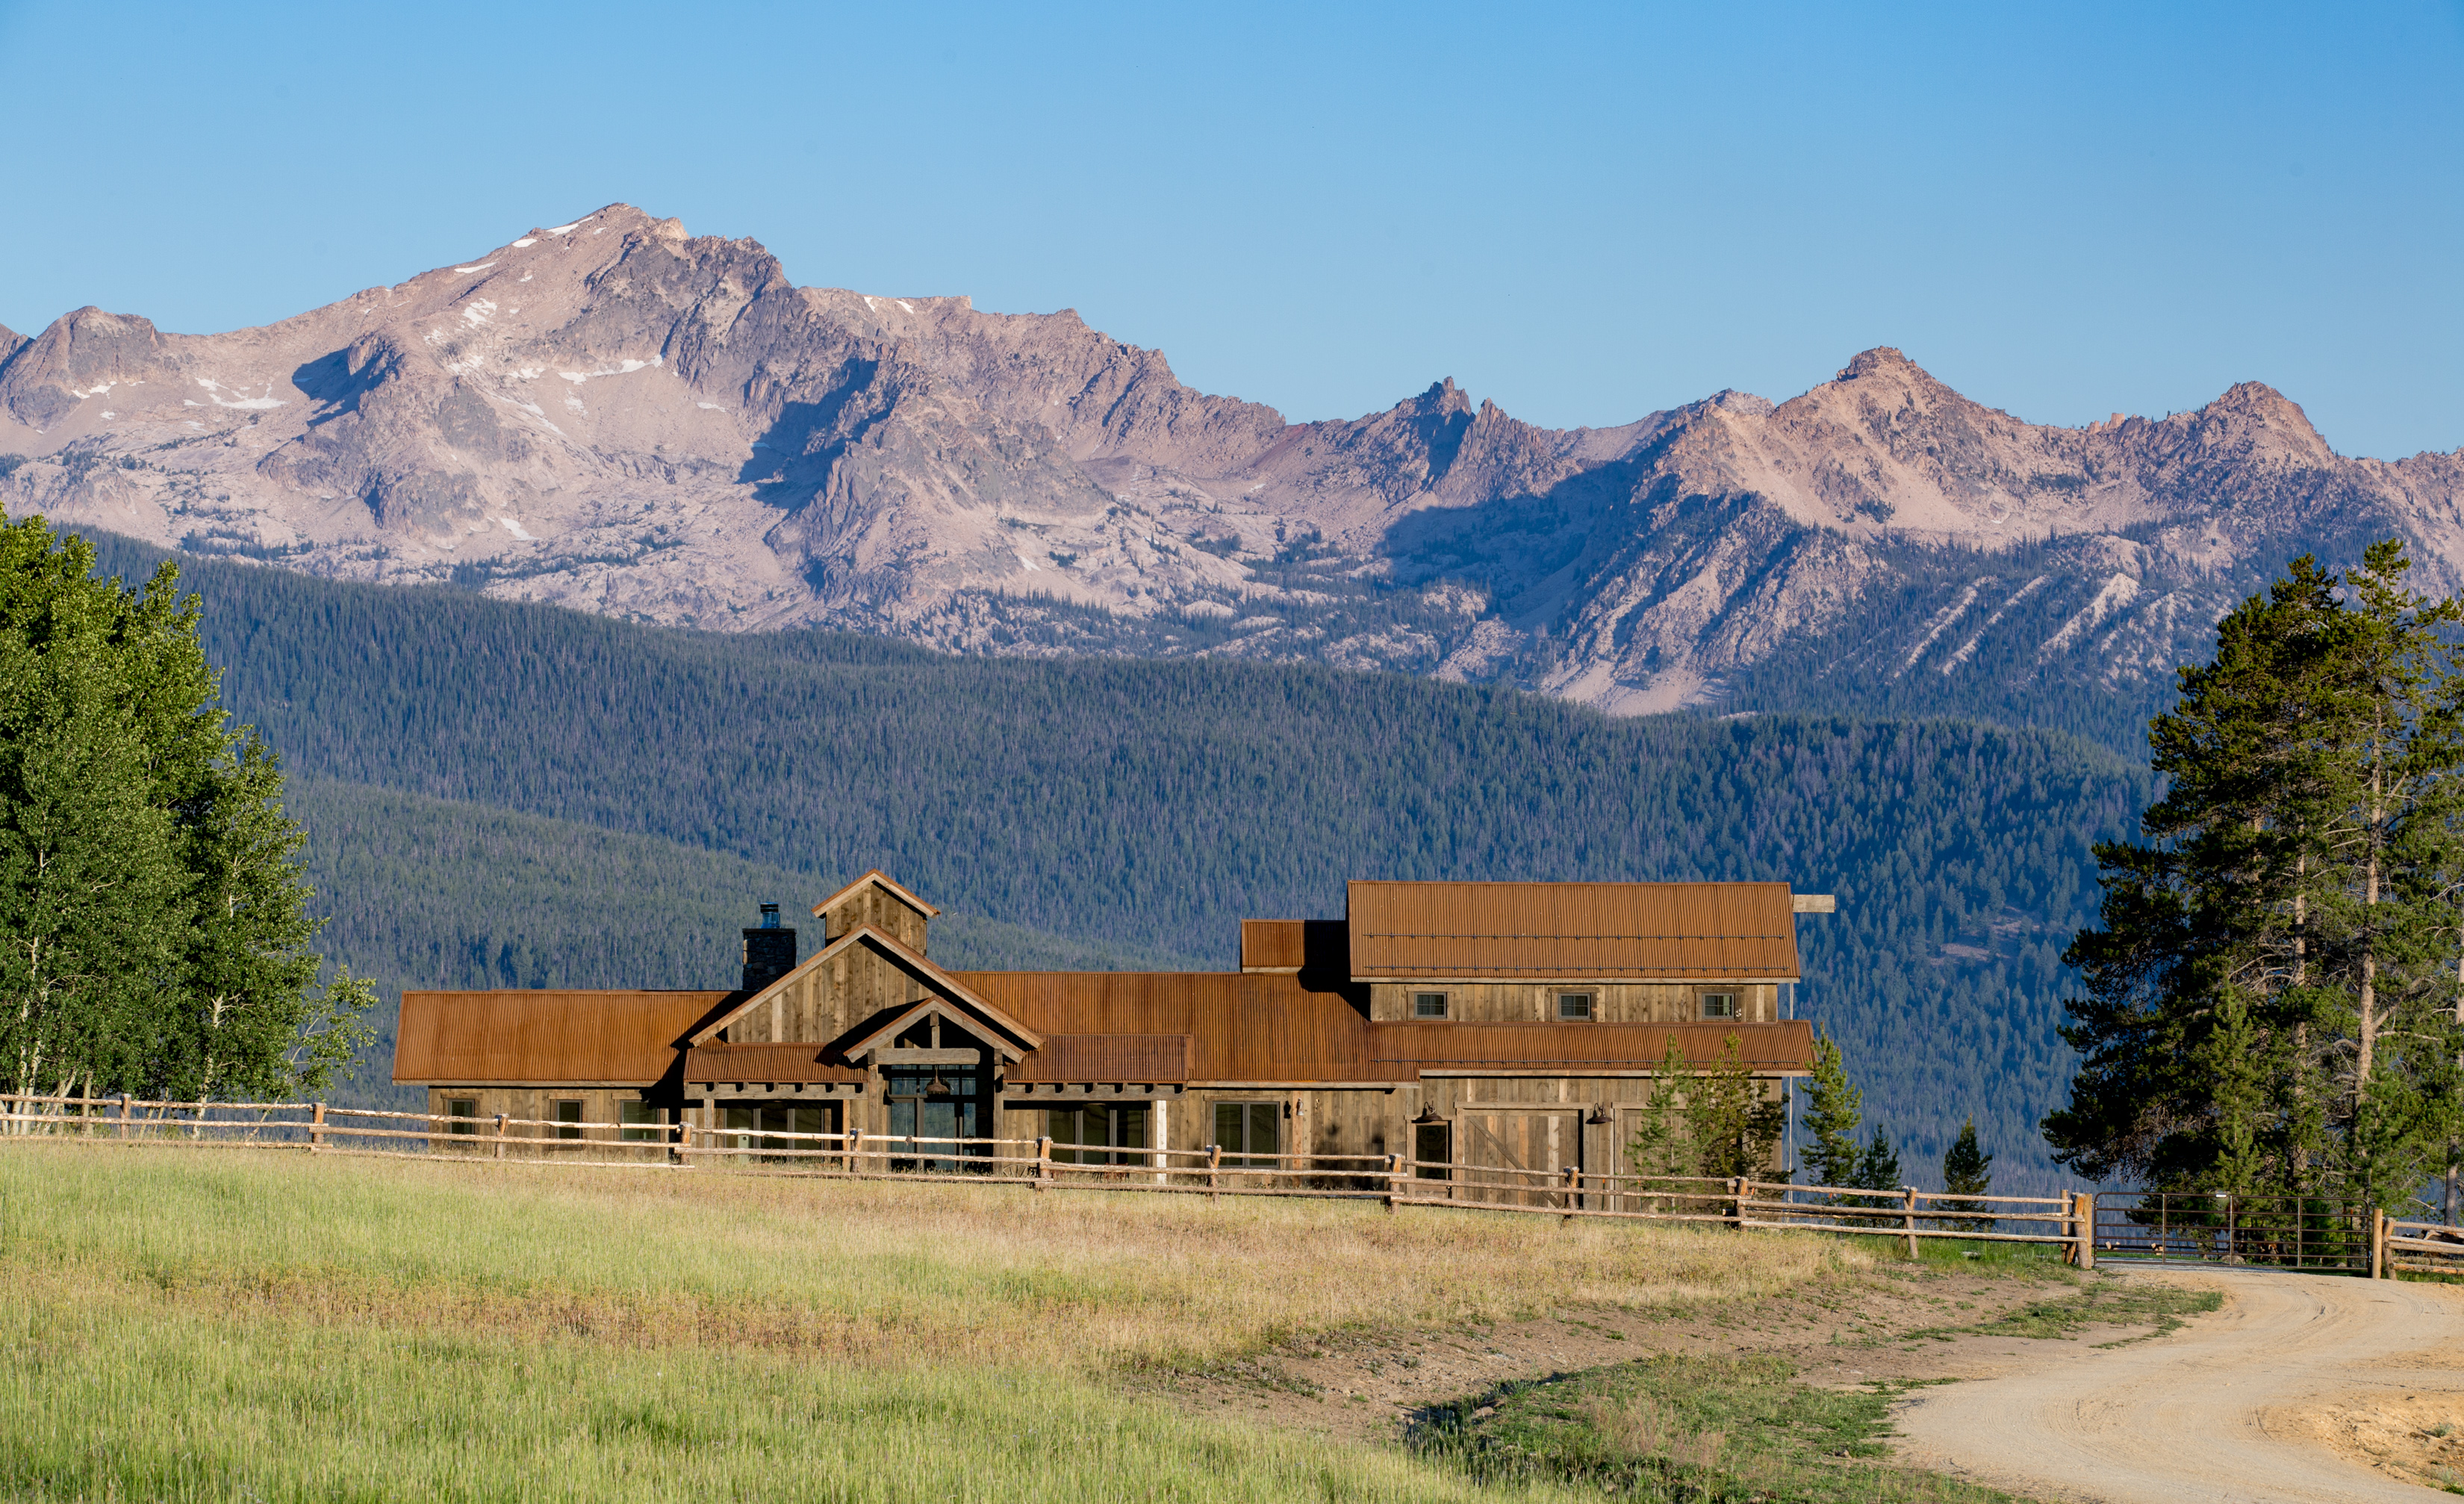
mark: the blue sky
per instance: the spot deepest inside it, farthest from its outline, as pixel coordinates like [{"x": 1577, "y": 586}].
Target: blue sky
[{"x": 1583, "y": 212}]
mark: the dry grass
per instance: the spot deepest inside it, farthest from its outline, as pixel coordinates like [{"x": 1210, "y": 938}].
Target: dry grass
[
  {"x": 212, "y": 1324},
  {"x": 871, "y": 1272}
]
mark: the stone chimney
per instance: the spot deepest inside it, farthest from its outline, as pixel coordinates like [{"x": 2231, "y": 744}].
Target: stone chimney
[{"x": 769, "y": 951}]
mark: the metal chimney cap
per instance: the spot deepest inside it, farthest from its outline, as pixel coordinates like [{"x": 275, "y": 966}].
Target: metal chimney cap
[{"x": 769, "y": 915}]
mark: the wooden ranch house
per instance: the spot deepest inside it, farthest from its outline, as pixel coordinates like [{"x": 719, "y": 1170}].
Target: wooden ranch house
[{"x": 1505, "y": 1024}]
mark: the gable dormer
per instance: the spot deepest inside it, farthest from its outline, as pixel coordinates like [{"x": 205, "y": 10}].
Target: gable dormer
[{"x": 877, "y": 900}]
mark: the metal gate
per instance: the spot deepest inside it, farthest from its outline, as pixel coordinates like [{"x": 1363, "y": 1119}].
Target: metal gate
[{"x": 2310, "y": 1232}]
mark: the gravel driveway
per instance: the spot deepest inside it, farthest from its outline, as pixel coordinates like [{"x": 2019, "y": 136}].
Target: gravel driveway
[{"x": 2251, "y": 1405}]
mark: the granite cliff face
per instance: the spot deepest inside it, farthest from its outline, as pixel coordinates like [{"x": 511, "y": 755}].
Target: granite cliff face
[{"x": 615, "y": 415}]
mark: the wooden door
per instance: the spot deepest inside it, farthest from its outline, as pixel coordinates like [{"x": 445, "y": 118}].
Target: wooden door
[{"x": 1521, "y": 1156}]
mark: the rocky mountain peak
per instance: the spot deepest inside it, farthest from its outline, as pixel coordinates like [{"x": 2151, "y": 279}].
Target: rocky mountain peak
[
  {"x": 616, "y": 414},
  {"x": 82, "y": 355},
  {"x": 1881, "y": 359}
]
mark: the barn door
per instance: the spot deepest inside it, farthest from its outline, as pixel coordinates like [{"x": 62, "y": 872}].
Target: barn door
[{"x": 1520, "y": 1157}]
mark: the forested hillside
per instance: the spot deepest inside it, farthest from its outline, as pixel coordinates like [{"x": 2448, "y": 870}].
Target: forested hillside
[{"x": 1152, "y": 806}]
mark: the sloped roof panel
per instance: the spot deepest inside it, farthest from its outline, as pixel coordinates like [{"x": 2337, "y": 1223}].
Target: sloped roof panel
[
  {"x": 1551, "y": 931},
  {"x": 560, "y": 1036}
]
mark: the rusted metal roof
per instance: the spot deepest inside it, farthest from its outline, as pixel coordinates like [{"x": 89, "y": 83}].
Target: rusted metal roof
[
  {"x": 1265, "y": 1027},
  {"x": 1148, "y": 1059},
  {"x": 788, "y": 1064},
  {"x": 1271, "y": 945},
  {"x": 1294, "y": 945},
  {"x": 1572, "y": 931},
  {"x": 563, "y": 1037}
]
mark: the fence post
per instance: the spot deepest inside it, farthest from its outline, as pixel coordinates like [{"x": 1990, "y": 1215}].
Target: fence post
[
  {"x": 1214, "y": 1176},
  {"x": 1567, "y": 1191},
  {"x": 1737, "y": 1202},
  {"x": 500, "y": 1136},
  {"x": 679, "y": 1137},
  {"x": 1394, "y": 1180},
  {"x": 2087, "y": 1229},
  {"x": 1043, "y": 1161},
  {"x": 1909, "y": 1217},
  {"x": 316, "y": 1128},
  {"x": 2378, "y": 1243},
  {"x": 855, "y": 1152},
  {"x": 123, "y": 1115}
]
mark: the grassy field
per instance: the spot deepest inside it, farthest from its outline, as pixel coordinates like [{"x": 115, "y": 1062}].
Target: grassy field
[{"x": 209, "y": 1323}]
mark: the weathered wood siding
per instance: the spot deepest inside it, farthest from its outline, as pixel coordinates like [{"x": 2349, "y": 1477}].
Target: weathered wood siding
[
  {"x": 825, "y": 1001},
  {"x": 885, "y": 911},
  {"x": 1611, "y": 1002}
]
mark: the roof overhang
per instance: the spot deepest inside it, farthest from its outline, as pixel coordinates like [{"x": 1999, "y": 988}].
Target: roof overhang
[
  {"x": 887, "y": 884},
  {"x": 932, "y": 978}
]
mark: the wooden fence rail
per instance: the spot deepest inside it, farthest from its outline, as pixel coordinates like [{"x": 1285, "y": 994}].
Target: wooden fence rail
[{"x": 2067, "y": 1221}]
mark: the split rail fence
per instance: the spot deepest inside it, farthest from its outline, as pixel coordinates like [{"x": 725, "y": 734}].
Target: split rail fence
[{"x": 2080, "y": 1224}]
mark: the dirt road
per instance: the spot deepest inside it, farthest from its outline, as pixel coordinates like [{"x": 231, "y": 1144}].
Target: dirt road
[{"x": 2253, "y": 1404}]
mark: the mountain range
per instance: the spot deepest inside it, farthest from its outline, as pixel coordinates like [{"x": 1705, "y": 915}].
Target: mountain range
[{"x": 616, "y": 415}]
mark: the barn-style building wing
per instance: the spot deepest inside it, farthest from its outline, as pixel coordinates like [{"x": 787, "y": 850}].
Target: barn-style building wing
[{"x": 1507, "y": 1024}]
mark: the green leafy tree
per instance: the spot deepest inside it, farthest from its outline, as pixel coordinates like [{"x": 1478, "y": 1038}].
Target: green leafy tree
[
  {"x": 2272, "y": 991},
  {"x": 154, "y": 934},
  {"x": 1834, "y": 1110}
]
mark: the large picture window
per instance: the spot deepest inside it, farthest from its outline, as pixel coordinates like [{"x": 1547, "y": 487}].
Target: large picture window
[
  {"x": 1245, "y": 1131},
  {"x": 1097, "y": 1133},
  {"x": 933, "y": 1108}
]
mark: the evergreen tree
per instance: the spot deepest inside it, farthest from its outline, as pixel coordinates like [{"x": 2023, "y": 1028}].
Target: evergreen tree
[
  {"x": 1663, "y": 1149},
  {"x": 1966, "y": 1173},
  {"x": 1834, "y": 1110},
  {"x": 1877, "y": 1168},
  {"x": 1731, "y": 1126},
  {"x": 2271, "y": 995},
  {"x": 153, "y": 934}
]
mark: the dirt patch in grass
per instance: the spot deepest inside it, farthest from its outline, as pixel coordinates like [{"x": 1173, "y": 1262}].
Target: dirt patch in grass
[
  {"x": 1690, "y": 1427},
  {"x": 1888, "y": 1324}
]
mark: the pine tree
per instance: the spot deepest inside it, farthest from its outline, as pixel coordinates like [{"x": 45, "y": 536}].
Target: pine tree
[
  {"x": 1967, "y": 1174},
  {"x": 1663, "y": 1149},
  {"x": 1877, "y": 1168},
  {"x": 2272, "y": 994},
  {"x": 1834, "y": 1110},
  {"x": 1732, "y": 1129}
]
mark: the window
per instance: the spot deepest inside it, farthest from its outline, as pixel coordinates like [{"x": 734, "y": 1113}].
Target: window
[
  {"x": 568, "y": 1120},
  {"x": 756, "y": 1127},
  {"x": 1433, "y": 1145},
  {"x": 462, "y": 1107},
  {"x": 640, "y": 1122},
  {"x": 1718, "y": 1004},
  {"x": 1248, "y": 1130},
  {"x": 1093, "y": 1133},
  {"x": 1573, "y": 1005},
  {"x": 1428, "y": 1004}
]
